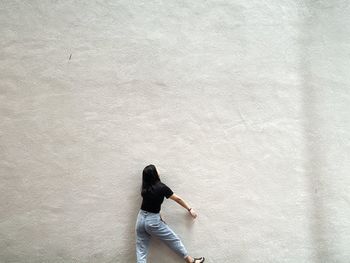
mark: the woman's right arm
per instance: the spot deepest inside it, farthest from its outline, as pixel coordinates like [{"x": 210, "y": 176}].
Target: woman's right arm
[{"x": 183, "y": 203}]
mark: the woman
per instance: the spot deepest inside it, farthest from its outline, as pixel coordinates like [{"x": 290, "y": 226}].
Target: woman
[{"x": 149, "y": 222}]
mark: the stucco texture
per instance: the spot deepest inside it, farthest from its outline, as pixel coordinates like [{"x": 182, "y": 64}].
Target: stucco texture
[{"x": 243, "y": 106}]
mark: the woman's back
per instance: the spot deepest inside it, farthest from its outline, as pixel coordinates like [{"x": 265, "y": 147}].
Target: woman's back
[{"x": 153, "y": 197}]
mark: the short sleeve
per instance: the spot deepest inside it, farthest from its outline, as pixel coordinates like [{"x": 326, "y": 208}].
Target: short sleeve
[{"x": 167, "y": 191}]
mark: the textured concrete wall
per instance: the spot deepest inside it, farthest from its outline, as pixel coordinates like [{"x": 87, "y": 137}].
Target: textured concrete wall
[{"x": 242, "y": 105}]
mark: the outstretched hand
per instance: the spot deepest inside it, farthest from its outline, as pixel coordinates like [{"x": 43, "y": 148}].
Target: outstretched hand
[{"x": 193, "y": 213}]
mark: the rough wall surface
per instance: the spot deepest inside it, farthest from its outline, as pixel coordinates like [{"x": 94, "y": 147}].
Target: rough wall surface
[{"x": 242, "y": 105}]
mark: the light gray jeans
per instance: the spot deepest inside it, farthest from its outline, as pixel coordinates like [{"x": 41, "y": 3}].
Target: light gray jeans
[{"x": 150, "y": 224}]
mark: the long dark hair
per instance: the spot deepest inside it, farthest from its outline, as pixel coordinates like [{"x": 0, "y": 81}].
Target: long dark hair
[{"x": 149, "y": 178}]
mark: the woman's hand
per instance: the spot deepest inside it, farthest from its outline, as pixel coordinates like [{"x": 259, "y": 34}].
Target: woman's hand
[
  {"x": 193, "y": 213},
  {"x": 181, "y": 202}
]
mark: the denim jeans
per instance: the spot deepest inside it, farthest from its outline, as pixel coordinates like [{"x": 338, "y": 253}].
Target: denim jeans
[{"x": 149, "y": 225}]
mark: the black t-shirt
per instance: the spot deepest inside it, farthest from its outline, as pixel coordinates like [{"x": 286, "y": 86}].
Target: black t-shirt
[{"x": 154, "y": 197}]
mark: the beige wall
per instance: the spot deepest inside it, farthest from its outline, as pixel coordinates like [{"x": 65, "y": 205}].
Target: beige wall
[{"x": 242, "y": 105}]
